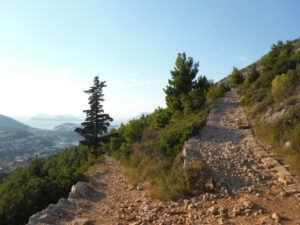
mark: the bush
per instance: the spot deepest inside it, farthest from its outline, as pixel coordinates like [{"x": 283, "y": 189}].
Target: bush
[
  {"x": 236, "y": 77},
  {"x": 285, "y": 129},
  {"x": 33, "y": 188},
  {"x": 214, "y": 93},
  {"x": 161, "y": 118},
  {"x": 280, "y": 87}
]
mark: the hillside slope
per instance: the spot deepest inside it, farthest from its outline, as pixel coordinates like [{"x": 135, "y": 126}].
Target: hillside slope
[
  {"x": 247, "y": 181},
  {"x": 270, "y": 93},
  {"x": 9, "y": 124},
  {"x": 20, "y": 140}
]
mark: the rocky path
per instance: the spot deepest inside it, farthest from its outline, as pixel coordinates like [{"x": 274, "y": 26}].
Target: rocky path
[{"x": 248, "y": 185}]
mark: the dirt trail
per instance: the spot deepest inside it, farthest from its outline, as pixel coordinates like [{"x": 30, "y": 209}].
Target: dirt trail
[{"x": 250, "y": 186}]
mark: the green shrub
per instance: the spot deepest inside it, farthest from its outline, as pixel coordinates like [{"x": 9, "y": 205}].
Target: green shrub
[
  {"x": 236, "y": 78},
  {"x": 280, "y": 87},
  {"x": 33, "y": 188},
  {"x": 245, "y": 85},
  {"x": 214, "y": 93},
  {"x": 161, "y": 117}
]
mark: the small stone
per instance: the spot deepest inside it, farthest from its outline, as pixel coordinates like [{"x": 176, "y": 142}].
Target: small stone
[
  {"x": 213, "y": 210},
  {"x": 248, "y": 204},
  {"x": 140, "y": 186},
  {"x": 209, "y": 184},
  {"x": 285, "y": 180},
  {"x": 131, "y": 217},
  {"x": 83, "y": 222},
  {"x": 282, "y": 193},
  {"x": 276, "y": 217},
  {"x": 265, "y": 220},
  {"x": 292, "y": 189},
  {"x": 221, "y": 221}
]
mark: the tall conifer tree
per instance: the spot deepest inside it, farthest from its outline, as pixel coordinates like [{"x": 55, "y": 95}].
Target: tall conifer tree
[
  {"x": 96, "y": 122},
  {"x": 182, "y": 82}
]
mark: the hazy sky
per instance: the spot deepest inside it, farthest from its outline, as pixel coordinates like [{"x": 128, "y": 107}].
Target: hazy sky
[{"x": 51, "y": 50}]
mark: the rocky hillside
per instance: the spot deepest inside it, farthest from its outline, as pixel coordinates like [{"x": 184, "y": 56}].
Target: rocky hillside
[
  {"x": 244, "y": 183},
  {"x": 270, "y": 94}
]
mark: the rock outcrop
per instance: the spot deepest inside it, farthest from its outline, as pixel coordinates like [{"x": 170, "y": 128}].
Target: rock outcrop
[{"x": 66, "y": 208}]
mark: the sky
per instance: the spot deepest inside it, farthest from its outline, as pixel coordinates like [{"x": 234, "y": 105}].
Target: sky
[{"x": 50, "y": 51}]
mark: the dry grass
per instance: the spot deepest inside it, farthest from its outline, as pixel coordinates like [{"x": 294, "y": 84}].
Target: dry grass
[
  {"x": 166, "y": 180},
  {"x": 98, "y": 167},
  {"x": 283, "y": 135}
]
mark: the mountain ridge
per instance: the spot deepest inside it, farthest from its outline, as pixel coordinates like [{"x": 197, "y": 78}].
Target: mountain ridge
[{"x": 8, "y": 124}]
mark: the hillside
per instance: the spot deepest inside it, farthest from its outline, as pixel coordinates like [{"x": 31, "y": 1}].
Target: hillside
[
  {"x": 246, "y": 181},
  {"x": 9, "y": 124},
  {"x": 22, "y": 142},
  {"x": 270, "y": 92}
]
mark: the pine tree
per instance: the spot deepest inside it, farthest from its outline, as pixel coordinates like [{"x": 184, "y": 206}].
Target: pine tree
[
  {"x": 182, "y": 81},
  {"x": 254, "y": 74},
  {"x": 236, "y": 77},
  {"x": 96, "y": 122}
]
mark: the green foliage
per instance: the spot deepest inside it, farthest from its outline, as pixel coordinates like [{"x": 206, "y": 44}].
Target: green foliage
[
  {"x": 183, "y": 76},
  {"x": 184, "y": 93},
  {"x": 236, "y": 77},
  {"x": 195, "y": 99},
  {"x": 214, "y": 93},
  {"x": 281, "y": 58},
  {"x": 96, "y": 122},
  {"x": 274, "y": 89},
  {"x": 280, "y": 87},
  {"x": 171, "y": 138},
  {"x": 245, "y": 85},
  {"x": 253, "y": 75},
  {"x": 2, "y": 176},
  {"x": 161, "y": 118},
  {"x": 134, "y": 130},
  {"x": 33, "y": 188}
]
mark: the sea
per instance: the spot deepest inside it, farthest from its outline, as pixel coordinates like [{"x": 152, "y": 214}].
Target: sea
[
  {"x": 44, "y": 124},
  {"x": 50, "y": 124}
]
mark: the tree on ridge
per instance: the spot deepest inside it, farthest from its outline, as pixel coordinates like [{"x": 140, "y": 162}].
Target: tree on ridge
[{"x": 96, "y": 122}]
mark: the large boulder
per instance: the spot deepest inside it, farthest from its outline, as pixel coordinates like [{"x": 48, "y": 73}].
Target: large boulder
[
  {"x": 83, "y": 190},
  {"x": 190, "y": 151}
]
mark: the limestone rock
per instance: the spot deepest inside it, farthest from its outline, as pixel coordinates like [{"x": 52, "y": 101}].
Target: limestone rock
[
  {"x": 83, "y": 222},
  {"x": 213, "y": 210},
  {"x": 276, "y": 217},
  {"x": 292, "y": 189},
  {"x": 269, "y": 162},
  {"x": 248, "y": 204},
  {"x": 82, "y": 190},
  {"x": 209, "y": 184},
  {"x": 48, "y": 215}
]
